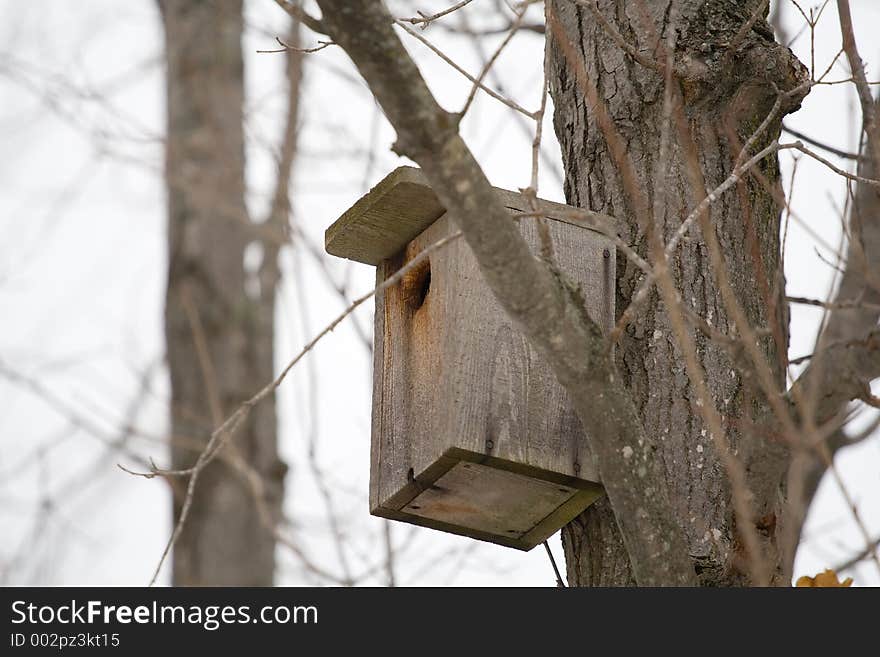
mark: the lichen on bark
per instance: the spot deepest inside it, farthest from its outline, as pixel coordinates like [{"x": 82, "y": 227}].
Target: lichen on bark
[{"x": 729, "y": 81}]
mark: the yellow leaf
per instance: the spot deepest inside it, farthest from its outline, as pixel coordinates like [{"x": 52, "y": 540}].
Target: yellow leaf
[{"x": 827, "y": 579}]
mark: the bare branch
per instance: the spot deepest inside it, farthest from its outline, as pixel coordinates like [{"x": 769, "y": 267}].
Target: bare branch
[
  {"x": 286, "y": 47},
  {"x": 507, "y": 101},
  {"x": 424, "y": 19},
  {"x": 550, "y": 316},
  {"x": 866, "y": 100},
  {"x": 300, "y": 14},
  {"x": 225, "y": 432},
  {"x": 840, "y": 172},
  {"x": 491, "y": 61},
  {"x": 818, "y": 144}
]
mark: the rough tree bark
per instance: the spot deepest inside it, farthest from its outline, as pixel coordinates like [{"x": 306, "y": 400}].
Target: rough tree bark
[
  {"x": 548, "y": 311},
  {"x": 672, "y": 515},
  {"x": 218, "y": 325},
  {"x": 727, "y": 91}
]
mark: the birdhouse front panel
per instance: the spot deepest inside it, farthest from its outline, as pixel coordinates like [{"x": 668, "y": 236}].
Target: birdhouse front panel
[{"x": 471, "y": 432}]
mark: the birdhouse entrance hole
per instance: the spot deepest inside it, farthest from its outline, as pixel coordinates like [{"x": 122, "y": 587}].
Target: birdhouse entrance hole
[{"x": 416, "y": 283}]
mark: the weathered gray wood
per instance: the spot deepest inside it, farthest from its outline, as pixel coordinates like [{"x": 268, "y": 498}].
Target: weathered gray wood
[
  {"x": 452, "y": 373},
  {"x": 380, "y": 224},
  {"x": 529, "y": 290},
  {"x": 399, "y": 208},
  {"x": 494, "y": 500}
]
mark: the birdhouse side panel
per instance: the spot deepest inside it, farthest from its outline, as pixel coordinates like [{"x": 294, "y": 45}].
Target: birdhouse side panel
[
  {"x": 409, "y": 402},
  {"x": 508, "y": 402},
  {"x": 452, "y": 371}
]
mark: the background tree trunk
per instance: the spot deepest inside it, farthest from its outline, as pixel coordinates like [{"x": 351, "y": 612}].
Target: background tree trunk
[
  {"x": 725, "y": 100},
  {"x": 219, "y": 316}
]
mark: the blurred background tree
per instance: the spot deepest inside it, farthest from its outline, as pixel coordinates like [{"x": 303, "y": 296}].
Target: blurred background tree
[{"x": 94, "y": 265}]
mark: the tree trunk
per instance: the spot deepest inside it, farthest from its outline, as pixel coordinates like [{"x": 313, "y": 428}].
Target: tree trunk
[
  {"x": 724, "y": 98},
  {"x": 218, "y": 317}
]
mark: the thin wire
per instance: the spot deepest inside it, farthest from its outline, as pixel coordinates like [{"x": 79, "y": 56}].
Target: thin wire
[{"x": 559, "y": 582}]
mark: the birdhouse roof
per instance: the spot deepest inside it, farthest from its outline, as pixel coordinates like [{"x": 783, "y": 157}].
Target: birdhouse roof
[{"x": 398, "y": 209}]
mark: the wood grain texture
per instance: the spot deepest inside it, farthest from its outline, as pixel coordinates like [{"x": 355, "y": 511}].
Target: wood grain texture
[
  {"x": 380, "y": 224},
  {"x": 398, "y": 208},
  {"x": 722, "y": 110},
  {"x": 503, "y": 502},
  {"x": 452, "y": 372},
  {"x": 530, "y": 291}
]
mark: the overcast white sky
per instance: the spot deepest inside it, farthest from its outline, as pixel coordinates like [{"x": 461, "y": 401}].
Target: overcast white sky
[{"x": 82, "y": 271}]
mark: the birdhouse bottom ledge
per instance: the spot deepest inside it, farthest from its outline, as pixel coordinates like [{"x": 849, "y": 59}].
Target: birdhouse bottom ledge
[{"x": 490, "y": 499}]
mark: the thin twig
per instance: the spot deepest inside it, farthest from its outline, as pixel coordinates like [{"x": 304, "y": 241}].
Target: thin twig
[
  {"x": 668, "y": 292},
  {"x": 861, "y": 556},
  {"x": 298, "y": 13},
  {"x": 488, "y": 65},
  {"x": 531, "y": 193},
  {"x": 424, "y": 20},
  {"x": 559, "y": 581},
  {"x": 642, "y": 293},
  {"x": 288, "y": 48},
  {"x": 833, "y": 305},
  {"x": 222, "y": 434},
  {"x": 866, "y": 99},
  {"x": 818, "y": 144},
  {"x": 497, "y": 96},
  {"x": 840, "y": 172}
]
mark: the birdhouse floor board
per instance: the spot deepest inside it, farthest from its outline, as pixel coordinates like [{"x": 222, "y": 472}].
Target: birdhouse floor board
[
  {"x": 499, "y": 502},
  {"x": 490, "y": 499}
]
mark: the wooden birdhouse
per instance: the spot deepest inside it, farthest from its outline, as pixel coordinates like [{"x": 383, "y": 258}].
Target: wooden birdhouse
[{"x": 471, "y": 432}]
